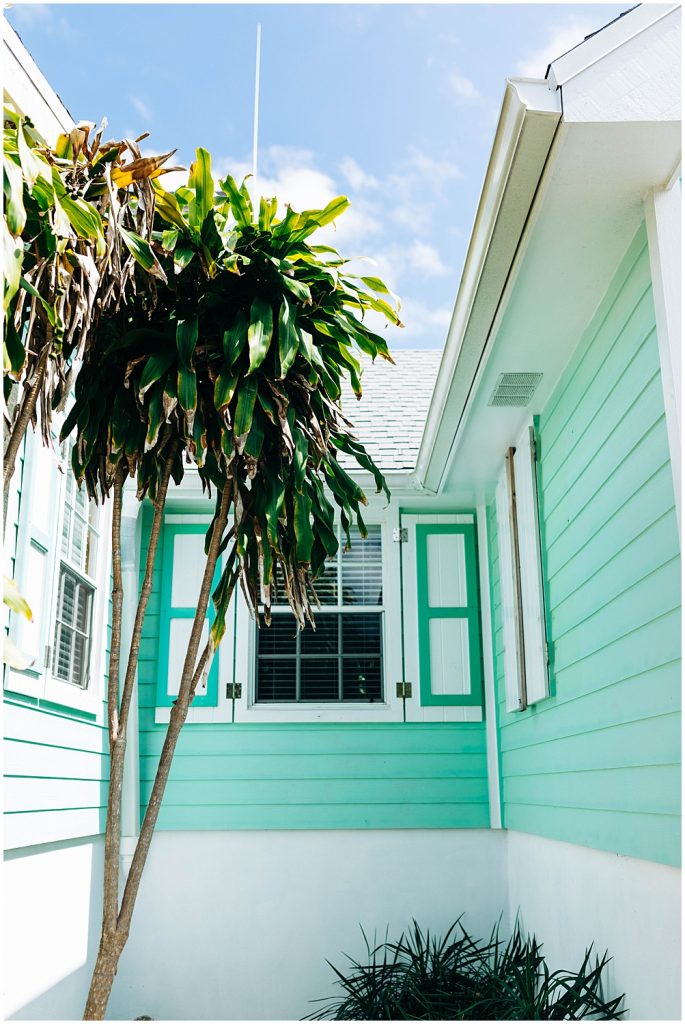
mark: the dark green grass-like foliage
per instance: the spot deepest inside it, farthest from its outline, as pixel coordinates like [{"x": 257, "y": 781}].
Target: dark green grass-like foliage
[{"x": 457, "y": 977}]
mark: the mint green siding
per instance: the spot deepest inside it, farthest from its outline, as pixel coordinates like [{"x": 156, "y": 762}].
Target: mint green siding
[
  {"x": 302, "y": 775},
  {"x": 597, "y": 763}
]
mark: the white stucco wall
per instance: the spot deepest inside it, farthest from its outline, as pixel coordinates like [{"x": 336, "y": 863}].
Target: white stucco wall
[
  {"x": 571, "y": 896},
  {"x": 51, "y": 914},
  {"x": 238, "y": 926}
]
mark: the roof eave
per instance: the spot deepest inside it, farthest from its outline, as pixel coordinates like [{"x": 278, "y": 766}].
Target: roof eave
[
  {"x": 528, "y": 120},
  {"x": 29, "y": 90},
  {"x": 593, "y": 49}
]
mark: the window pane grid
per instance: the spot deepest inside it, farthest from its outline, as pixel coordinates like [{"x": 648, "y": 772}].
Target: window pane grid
[
  {"x": 79, "y": 529},
  {"x": 72, "y": 629},
  {"x": 342, "y": 661}
]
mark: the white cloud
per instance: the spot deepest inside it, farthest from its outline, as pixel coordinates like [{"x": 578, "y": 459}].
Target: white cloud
[
  {"x": 426, "y": 259},
  {"x": 424, "y": 323},
  {"x": 42, "y": 16},
  {"x": 562, "y": 37},
  {"x": 462, "y": 87},
  {"x": 416, "y": 216},
  {"x": 356, "y": 177},
  {"x": 292, "y": 176},
  {"x": 141, "y": 108},
  {"x": 437, "y": 171}
]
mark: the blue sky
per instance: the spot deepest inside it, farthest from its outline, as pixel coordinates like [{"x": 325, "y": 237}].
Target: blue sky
[{"x": 392, "y": 105}]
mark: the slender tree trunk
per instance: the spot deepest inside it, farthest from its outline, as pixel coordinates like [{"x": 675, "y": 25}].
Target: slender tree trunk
[
  {"x": 113, "y": 941},
  {"x": 110, "y": 901},
  {"x": 27, "y": 407}
]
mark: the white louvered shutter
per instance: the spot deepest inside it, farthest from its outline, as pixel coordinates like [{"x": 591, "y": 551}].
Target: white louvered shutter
[
  {"x": 532, "y": 595},
  {"x": 513, "y": 681}
]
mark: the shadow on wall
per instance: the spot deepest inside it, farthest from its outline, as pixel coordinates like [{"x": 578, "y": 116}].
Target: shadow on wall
[{"x": 60, "y": 910}]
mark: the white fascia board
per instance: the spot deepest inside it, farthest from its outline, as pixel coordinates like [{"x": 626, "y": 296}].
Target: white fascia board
[
  {"x": 608, "y": 39},
  {"x": 28, "y": 89},
  {"x": 528, "y": 121}
]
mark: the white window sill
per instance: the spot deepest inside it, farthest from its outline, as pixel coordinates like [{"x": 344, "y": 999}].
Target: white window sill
[
  {"x": 289, "y": 713},
  {"x": 68, "y": 696}
]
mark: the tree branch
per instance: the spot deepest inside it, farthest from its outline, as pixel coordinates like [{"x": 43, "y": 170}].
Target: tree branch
[
  {"x": 146, "y": 589},
  {"x": 110, "y": 903},
  {"x": 179, "y": 712}
]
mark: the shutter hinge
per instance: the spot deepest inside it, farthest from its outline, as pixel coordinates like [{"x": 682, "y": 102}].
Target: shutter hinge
[
  {"x": 234, "y": 691},
  {"x": 400, "y": 534},
  {"x": 533, "y": 444},
  {"x": 404, "y": 690}
]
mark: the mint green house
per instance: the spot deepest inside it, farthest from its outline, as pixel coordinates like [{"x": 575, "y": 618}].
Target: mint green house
[{"x": 522, "y": 585}]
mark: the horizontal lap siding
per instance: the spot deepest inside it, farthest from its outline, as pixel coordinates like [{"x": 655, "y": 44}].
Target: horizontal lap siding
[
  {"x": 307, "y": 775},
  {"x": 56, "y": 771},
  {"x": 598, "y": 762}
]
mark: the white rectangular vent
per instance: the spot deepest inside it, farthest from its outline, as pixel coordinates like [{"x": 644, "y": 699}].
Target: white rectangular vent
[{"x": 515, "y": 389}]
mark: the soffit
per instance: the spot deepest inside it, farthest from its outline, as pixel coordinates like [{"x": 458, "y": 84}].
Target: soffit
[{"x": 590, "y": 210}]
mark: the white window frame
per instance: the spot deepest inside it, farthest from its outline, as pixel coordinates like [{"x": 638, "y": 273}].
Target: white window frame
[
  {"x": 526, "y": 660},
  {"x": 31, "y": 681},
  {"x": 282, "y": 611},
  {"x": 59, "y": 690},
  {"x": 39, "y": 681},
  {"x": 237, "y": 652},
  {"x": 387, "y": 710}
]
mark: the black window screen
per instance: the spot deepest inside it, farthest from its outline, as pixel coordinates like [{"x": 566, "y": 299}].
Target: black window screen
[{"x": 342, "y": 660}]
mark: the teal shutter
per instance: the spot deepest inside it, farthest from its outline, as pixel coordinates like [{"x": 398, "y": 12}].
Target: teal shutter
[
  {"x": 450, "y": 663},
  {"x": 183, "y": 562}
]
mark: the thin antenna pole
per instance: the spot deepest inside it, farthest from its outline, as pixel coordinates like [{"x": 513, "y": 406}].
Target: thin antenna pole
[{"x": 255, "y": 129}]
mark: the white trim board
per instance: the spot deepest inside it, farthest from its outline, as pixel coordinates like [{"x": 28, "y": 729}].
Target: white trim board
[{"x": 663, "y": 219}]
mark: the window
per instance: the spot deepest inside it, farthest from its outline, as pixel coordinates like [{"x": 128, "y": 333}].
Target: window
[
  {"x": 526, "y": 670},
  {"x": 76, "y": 585},
  {"x": 72, "y": 629},
  {"x": 63, "y": 571},
  {"x": 341, "y": 661}
]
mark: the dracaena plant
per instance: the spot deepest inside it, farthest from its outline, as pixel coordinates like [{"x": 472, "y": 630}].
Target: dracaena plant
[
  {"x": 77, "y": 220},
  {"x": 235, "y": 364},
  {"x": 457, "y": 977}
]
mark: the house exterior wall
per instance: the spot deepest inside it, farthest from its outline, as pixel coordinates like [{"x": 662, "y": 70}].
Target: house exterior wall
[
  {"x": 625, "y": 905},
  {"x": 52, "y": 910},
  {"x": 55, "y": 757},
  {"x": 597, "y": 764},
  {"x": 255, "y": 915},
  {"x": 309, "y": 775}
]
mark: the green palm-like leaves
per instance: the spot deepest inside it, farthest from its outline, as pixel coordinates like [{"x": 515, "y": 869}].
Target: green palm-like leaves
[
  {"x": 76, "y": 244},
  {"x": 239, "y": 364}
]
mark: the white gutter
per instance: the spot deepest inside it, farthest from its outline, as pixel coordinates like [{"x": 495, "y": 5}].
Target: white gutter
[
  {"x": 528, "y": 120},
  {"x": 29, "y": 90},
  {"x": 614, "y": 35}
]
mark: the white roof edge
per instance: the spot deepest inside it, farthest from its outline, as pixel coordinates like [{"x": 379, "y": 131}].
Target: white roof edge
[
  {"x": 608, "y": 39},
  {"x": 28, "y": 88},
  {"x": 523, "y": 98}
]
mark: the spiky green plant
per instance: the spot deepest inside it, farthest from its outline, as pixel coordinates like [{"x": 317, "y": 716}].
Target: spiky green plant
[
  {"x": 456, "y": 977},
  {"x": 77, "y": 220},
  {"x": 241, "y": 358},
  {"x": 233, "y": 362}
]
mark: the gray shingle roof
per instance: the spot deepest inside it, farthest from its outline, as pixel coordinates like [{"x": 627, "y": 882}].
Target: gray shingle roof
[{"x": 390, "y": 417}]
